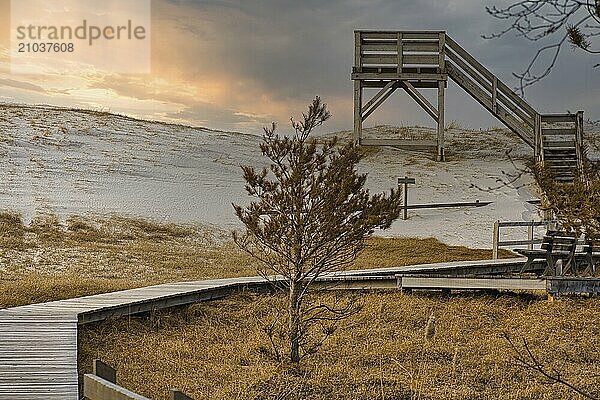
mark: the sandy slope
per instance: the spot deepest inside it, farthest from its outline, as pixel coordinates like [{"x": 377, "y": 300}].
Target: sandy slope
[{"x": 72, "y": 162}]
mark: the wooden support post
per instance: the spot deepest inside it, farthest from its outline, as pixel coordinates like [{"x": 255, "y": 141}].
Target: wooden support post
[
  {"x": 495, "y": 94},
  {"x": 405, "y": 213},
  {"x": 580, "y": 126},
  {"x": 496, "y": 240},
  {"x": 537, "y": 137},
  {"x": 440, "y": 127},
  {"x": 400, "y": 51},
  {"x": 442, "y": 51},
  {"x": 357, "y": 134},
  {"x": 579, "y": 141},
  {"x": 104, "y": 371},
  {"x": 441, "y": 88},
  {"x": 357, "y": 111}
]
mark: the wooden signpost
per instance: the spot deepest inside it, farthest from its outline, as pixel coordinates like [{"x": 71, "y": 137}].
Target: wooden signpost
[
  {"x": 405, "y": 182},
  {"x": 403, "y": 185}
]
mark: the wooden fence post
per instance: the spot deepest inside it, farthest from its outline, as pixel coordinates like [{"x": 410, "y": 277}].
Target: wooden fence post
[
  {"x": 104, "y": 371},
  {"x": 530, "y": 235},
  {"x": 495, "y": 240},
  {"x": 175, "y": 394},
  {"x": 405, "y": 182},
  {"x": 358, "y": 89}
]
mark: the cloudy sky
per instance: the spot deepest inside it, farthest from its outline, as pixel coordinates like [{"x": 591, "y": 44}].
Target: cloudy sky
[{"x": 237, "y": 65}]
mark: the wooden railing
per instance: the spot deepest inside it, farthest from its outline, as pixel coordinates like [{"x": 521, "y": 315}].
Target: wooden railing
[
  {"x": 389, "y": 54},
  {"x": 401, "y": 49},
  {"x": 491, "y": 92},
  {"x": 101, "y": 384},
  {"x": 531, "y": 239}
]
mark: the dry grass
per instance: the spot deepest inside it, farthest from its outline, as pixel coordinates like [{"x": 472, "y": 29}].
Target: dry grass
[
  {"x": 52, "y": 260},
  {"x": 390, "y": 252},
  {"x": 12, "y": 231},
  {"x": 217, "y": 350}
]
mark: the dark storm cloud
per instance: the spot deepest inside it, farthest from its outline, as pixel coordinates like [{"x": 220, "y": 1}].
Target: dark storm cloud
[
  {"x": 296, "y": 49},
  {"x": 240, "y": 64}
]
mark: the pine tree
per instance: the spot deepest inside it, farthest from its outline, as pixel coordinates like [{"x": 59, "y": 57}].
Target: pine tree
[{"x": 310, "y": 216}]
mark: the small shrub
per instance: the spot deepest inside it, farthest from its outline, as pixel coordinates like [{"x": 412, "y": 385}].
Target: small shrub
[
  {"x": 82, "y": 229},
  {"x": 12, "y": 231},
  {"x": 47, "y": 228}
]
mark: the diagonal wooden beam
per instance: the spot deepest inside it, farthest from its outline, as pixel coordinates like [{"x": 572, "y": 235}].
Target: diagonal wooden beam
[
  {"x": 381, "y": 98},
  {"x": 421, "y": 100},
  {"x": 377, "y": 96}
]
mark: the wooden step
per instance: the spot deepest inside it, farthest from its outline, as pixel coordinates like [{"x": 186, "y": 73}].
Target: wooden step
[
  {"x": 562, "y": 163},
  {"x": 557, "y": 131},
  {"x": 561, "y": 150},
  {"x": 561, "y": 177},
  {"x": 555, "y": 118},
  {"x": 563, "y": 143},
  {"x": 555, "y": 164},
  {"x": 562, "y": 170},
  {"x": 565, "y": 179},
  {"x": 559, "y": 157}
]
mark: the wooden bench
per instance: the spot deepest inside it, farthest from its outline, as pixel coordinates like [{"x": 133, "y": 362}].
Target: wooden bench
[
  {"x": 556, "y": 246},
  {"x": 560, "y": 246},
  {"x": 590, "y": 257}
]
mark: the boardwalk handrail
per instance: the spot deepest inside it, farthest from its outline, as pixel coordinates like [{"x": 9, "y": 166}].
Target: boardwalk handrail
[
  {"x": 101, "y": 384},
  {"x": 531, "y": 240}
]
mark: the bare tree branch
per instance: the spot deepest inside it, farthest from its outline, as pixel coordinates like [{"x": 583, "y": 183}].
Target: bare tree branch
[
  {"x": 555, "y": 22},
  {"x": 526, "y": 359}
]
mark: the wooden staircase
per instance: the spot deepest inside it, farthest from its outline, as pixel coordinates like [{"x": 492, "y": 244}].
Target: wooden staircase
[
  {"x": 556, "y": 138},
  {"x": 412, "y": 60},
  {"x": 560, "y": 144}
]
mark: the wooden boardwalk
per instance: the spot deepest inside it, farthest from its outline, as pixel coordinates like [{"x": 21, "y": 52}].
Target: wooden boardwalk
[{"x": 38, "y": 343}]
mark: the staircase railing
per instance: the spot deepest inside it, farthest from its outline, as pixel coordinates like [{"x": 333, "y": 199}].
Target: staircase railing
[
  {"x": 579, "y": 142},
  {"x": 491, "y": 93}
]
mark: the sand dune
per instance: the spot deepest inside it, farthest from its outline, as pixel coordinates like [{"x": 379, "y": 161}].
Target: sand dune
[{"x": 73, "y": 162}]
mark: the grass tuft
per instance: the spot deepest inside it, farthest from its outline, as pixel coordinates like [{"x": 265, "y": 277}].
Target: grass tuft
[
  {"x": 12, "y": 231},
  {"x": 47, "y": 228}
]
